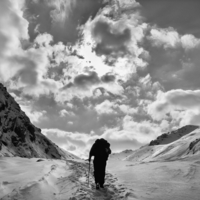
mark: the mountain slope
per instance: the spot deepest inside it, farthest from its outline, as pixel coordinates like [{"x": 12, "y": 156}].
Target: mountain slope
[
  {"x": 172, "y": 136},
  {"x": 19, "y": 137},
  {"x": 186, "y": 146}
]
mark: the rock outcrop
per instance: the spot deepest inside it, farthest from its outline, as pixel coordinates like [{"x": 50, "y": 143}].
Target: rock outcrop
[{"x": 19, "y": 137}]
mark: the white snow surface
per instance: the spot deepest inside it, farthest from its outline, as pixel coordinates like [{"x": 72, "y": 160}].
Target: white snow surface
[{"x": 161, "y": 172}]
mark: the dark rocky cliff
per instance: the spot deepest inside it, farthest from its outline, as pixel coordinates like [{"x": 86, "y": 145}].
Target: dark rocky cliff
[{"x": 19, "y": 137}]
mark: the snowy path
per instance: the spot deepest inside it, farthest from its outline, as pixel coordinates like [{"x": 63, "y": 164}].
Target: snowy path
[
  {"x": 79, "y": 179},
  {"x": 27, "y": 179}
]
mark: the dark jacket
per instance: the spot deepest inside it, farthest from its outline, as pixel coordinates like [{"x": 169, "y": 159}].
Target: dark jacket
[{"x": 100, "y": 150}]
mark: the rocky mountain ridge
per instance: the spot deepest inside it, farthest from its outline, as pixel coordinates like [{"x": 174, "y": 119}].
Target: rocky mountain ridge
[
  {"x": 185, "y": 147},
  {"x": 183, "y": 143},
  {"x": 19, "y": 137},
  {"x": 172, "y": 136}
]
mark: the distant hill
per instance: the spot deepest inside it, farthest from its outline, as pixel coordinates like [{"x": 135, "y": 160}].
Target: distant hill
[
  {"x": 121, "y": 154},
  {"x": 172, "y": 136},
  {"x": 179, "y": 144},
  {"x": 19, "y": 137}
]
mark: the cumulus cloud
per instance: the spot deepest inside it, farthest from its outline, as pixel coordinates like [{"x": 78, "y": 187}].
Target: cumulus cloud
[
  {"x": 131, "y": 134},
  {"x": 21, "y": 68},
  {"x": 190, "y": 42},
  {"x": 180, "y": 105},
  {"x": 166, "y": 37},
  {"x": 110, "y": 107},
  {"x": 106, "y": 107},
  {"x": 121, "y": 140},
  {"x": 140, "y": 129},
  {"x": 170, "y": 38},
  {"x": 127, "y": 109},
  {"x": 43, "y": 39}
]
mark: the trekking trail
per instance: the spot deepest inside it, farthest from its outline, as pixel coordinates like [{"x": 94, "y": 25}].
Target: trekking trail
[{"x": 77, "y": 182}]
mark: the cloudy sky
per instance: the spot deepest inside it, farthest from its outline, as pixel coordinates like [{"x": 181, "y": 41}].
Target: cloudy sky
[{"x": 124, "y": 70}]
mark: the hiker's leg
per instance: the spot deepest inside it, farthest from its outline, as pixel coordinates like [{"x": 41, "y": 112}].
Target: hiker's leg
[
  {"x": 96, "y": 171},
  {"x": 102, "y": 173}
]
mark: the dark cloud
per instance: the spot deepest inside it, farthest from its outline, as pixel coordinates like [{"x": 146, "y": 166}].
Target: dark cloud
[
  {"x": 45, "y": 102},
  {"x": 108, "y": 78},
  {"x": 84, "y": 119},
  {"x": 190, "y": 72},
  {"x": 104, "y": 92},
  {"x": 174, "y": 68},
  {"x": 92, "y": 78},
  {"x": 69, "y": 85},
  {"x": 84, "y": 80},
  {"x": 38, "y": 15},
  {"x": 109, "y": 39},
  {"x": 60, "y": 18},
  {"x": 163, "y": 63},
  {"x": 27, "y": 74},
  {"x": 183, "y": 15},
  {"x": 99, "y": 89}
]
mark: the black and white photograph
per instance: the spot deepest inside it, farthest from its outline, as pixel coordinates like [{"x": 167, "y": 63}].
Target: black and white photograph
[{"x": 99, "y": 99}]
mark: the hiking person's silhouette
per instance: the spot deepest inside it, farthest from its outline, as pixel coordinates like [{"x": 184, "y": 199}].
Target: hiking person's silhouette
[{"x": 100, "y": 150}]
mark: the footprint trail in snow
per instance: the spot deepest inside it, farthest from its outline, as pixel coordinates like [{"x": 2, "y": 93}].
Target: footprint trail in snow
[{"x": 82, "y": 191}]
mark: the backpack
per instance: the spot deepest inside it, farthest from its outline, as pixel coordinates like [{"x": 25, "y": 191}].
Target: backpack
[{"x": 101, "y": 149}]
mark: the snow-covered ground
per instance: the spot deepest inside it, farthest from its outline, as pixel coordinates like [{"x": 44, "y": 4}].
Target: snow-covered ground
[
  {"x": 27, "y": 179},
  {"x": 177, "y": 180},
  {"x": 161, "y": 172}
]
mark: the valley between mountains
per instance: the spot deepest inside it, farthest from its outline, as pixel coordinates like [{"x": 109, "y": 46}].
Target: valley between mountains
[{"x": 34, "y": 168}]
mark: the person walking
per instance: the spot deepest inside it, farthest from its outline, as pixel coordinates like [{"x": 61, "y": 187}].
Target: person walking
[{"x": 100, "y": 150}]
